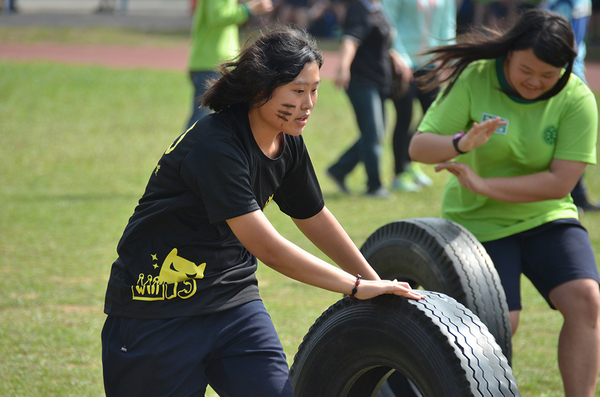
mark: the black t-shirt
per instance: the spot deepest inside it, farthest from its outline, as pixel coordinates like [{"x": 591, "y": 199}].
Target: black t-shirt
[
  {"x": 372, "y": 65},
  {"x": 177, "y": 255}
]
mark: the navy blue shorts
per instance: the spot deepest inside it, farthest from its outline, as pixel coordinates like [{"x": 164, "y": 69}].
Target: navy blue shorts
[
  {"x": 548, "y": 255},
  {"x": 236, "y": 351}
]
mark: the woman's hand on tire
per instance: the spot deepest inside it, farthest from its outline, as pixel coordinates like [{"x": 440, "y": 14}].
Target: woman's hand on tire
[{"x": 371, "y": 288}]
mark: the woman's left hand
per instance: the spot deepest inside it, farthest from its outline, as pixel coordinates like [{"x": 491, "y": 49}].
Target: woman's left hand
[
  {"x": 465, "y": 174},
  {"x": 371, "y": 288}
]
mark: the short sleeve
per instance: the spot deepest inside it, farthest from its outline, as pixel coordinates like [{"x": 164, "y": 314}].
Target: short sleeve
[
  {"x": 355, "y": 24},
  {"x": 299, "y": 195},
  {"x": 451, "y": 113},
  {"x": 218, "y": 171},
  {"x": 578, "y": 129}
]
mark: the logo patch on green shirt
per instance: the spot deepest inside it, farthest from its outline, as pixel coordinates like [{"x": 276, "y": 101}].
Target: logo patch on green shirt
[
  {"x": 550, "y": 135},
  {"x": 501, "y": 129}
]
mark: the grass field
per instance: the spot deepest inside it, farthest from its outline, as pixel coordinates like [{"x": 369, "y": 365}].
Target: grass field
[{"x": 77, "y": 147}]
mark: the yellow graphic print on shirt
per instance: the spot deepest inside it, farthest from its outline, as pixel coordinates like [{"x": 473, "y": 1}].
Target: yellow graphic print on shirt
[
  {"x": 177, "y": 279},
  {"x": 268, "y": 201}
]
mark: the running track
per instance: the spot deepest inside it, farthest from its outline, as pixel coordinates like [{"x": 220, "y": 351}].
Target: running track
[{"x": 170, "y": 58}]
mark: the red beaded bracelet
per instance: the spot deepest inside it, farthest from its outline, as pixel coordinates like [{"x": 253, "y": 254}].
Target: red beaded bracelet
[{"x": 356, "y": 284}]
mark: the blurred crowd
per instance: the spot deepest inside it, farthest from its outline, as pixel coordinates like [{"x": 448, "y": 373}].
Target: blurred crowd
[
  {"x": 8, "y": 6},
  {"x": 325, "y": 18}
]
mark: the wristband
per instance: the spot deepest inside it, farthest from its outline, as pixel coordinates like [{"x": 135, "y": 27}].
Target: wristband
[
  {"x": 356, "y": 284},
  {"x": 455, "y": 140}
]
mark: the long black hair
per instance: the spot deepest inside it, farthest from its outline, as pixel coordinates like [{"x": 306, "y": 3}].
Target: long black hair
[
  {"x": 546, "y": 33},
  {"x": 275, "y": 58}
]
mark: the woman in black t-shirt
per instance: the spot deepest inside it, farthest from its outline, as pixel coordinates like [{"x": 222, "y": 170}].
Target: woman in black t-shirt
[{"x": 182, "y": 299}]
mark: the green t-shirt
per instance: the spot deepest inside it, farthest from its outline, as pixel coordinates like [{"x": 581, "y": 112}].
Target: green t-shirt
[
  {"x": 215, "y": 33},
  {"x": 562, "y": 127}
]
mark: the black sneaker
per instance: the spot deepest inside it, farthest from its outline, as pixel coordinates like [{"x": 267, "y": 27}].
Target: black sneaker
[{"x": 339, "y": 182}]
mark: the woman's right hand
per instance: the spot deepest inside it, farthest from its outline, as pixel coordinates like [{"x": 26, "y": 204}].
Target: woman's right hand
[
  {"x": 465, "y": 175},
  {"x": 347, "y": 53},
  {"x": 479, "y": 134},
  {"x": 342, "y": 78}
]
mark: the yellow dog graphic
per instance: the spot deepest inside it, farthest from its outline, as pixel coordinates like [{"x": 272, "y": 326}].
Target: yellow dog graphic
[
  {"x": 177, "y": 278},
  {"x": 175, "y": 269}
]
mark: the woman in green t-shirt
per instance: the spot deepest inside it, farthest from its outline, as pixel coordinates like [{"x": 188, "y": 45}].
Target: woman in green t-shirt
[{"x": 531, "y": 130}]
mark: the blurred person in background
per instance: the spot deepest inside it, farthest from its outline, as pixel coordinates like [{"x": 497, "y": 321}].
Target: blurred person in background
[
  {"x": 365, "y": 73},
  {"x": 420, "y": 25},
  {"x": 594, "y": 28},
  {"x": 108, "y": 6},
  {"x": 294, "y": 12},
  {"x": 215, "y": 38},
  {"x": 8, "y": 6},
  {"x": 319, "y": 17}
]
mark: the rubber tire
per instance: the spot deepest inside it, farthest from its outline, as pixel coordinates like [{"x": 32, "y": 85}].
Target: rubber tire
[
  {"x": 440, "y": 255},
  {"x": 437, "y": 343}
]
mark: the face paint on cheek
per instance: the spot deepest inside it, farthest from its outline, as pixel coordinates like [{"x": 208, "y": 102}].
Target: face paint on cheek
[{"x": 282, "y": 113}]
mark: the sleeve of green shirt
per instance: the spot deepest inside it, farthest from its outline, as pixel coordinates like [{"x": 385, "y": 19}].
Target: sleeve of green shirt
[
  {"x": 215, "y": 36},
  {"x": 223, "y": 13},
  {"x": 450, "y": 114},
  {"x": 578, "y": 129}
]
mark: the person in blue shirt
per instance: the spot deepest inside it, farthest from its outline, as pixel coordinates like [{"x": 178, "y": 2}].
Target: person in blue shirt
[{"x": 419, "y": 25}]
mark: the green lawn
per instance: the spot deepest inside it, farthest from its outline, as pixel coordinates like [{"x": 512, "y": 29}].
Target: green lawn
[{"x": 77, "y": 147}]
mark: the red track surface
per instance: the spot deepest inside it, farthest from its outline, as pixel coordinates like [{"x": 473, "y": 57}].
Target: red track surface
[{"x": 172, "y": 58}]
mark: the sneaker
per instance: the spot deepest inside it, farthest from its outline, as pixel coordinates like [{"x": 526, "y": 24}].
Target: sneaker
[
  {"x": 379, "y": 192},
  {"x": 418, "y": 176},
  {"x": 404, "y": 183},
  {"x": 339, "y": 182}
]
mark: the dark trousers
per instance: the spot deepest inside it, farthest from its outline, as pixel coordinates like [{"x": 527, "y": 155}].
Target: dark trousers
[
  {"x": 579, "y": 194},
  {"x": 404, "y": 114},
  {"x": 548, "y": 255},
  {"x": 199, "y": 80},
  {"x": 236, "y": 351},
  {"x": 369, "y": 107}
]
